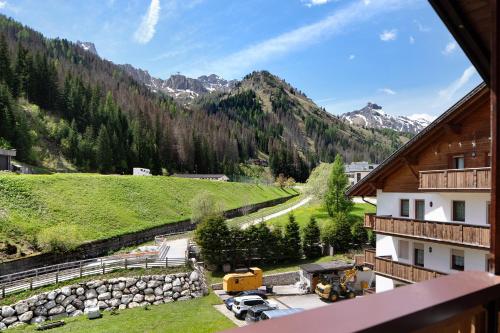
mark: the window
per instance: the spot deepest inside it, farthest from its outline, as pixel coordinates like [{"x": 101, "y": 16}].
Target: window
[
  {"x": 488, "y": 207},
  {"x": 458, "y": 162},
  {"x": 418, "y": 254},
  {"x": 358, "y": 176},
  {"x": 457, "y": 260},
  {"x": 404, "y": 249},
  {"x": 404, "y": 208},
  {"x": 419, "y": 209},
  {"x": 458, "y": 213}
]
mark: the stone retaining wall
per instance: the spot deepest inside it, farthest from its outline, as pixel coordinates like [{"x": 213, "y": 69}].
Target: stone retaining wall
[
  {"x": 118, "y": 293},
  {"x": 279, "y": 279},
  {"x": 103, "y": 247}
]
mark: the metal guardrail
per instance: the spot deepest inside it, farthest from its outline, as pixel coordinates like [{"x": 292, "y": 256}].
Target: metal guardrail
[{"x": 29, "y": 280}]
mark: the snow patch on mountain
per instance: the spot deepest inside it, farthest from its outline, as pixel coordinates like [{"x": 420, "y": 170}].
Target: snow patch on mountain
[
  {"x": 372, "y": 116},
  {"x": 87, "y": 46}
]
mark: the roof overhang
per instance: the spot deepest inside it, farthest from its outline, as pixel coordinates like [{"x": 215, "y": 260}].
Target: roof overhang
[{"x": 470, "y": 24}]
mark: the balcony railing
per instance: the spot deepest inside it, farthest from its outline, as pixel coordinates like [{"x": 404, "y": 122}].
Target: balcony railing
[
  {"x": 456, "y": 179},
  {"x": 462, "y": 302},
  {"x": 365, "y": 259},
  {"x": 369, "y": 221},
  {"x": 404, "y": 272},
  {"x": 454, "y": 233}
]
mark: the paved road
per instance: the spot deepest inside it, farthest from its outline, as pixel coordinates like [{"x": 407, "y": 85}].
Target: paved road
[
  {"x": 280, "y": 213},
  {"x": 176, "y": 248}
]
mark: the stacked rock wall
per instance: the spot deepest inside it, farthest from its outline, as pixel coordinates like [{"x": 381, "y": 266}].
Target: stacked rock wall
[{"x": 118, "y": 293}]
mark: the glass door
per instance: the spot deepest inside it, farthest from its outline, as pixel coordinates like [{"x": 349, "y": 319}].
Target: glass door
[{"x": 419, "y": 209}]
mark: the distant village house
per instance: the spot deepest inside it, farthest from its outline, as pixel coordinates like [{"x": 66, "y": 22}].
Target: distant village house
[
  {"x": 6, "y": 156},
  {"x": 141, "y": 172},
  {"x": 358, "y": 170}
]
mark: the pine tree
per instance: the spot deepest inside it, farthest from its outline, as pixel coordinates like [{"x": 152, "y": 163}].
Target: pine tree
[
  {"x": 292, "y": 239},
  {"x": 335, "y": 200},
  {"x": 311, "y": 240},
  {"x": 5, "y": 69},
  {"x": 104, "y": 152}
]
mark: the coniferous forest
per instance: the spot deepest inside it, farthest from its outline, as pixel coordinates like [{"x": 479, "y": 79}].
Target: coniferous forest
[{"x": 105, "y": 121}]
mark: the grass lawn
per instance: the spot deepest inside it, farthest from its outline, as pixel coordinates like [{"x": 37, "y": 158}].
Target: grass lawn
[
  {"x": 87, "y": 207},
  {"x": 196, "y": 315},
  {"x": 318, "y": 211},
  {"x": 238, "y": 221},
  {"x": 216, "y": 277}
]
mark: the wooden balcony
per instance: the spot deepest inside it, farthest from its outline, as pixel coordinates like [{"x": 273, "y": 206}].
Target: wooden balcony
[
  {"x": 404, "y": 272},
  {"x": 477, "y": 179},
  {"x": 454, "y": 233}
]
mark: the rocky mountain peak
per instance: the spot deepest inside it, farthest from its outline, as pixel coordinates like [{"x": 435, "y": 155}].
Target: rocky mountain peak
[
  {"x": 87, "y": 46},
  {"x": 372, "y": 116}
]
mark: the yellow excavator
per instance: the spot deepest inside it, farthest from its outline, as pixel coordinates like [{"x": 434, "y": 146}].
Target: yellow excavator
[{"x": 335, "y": 288}]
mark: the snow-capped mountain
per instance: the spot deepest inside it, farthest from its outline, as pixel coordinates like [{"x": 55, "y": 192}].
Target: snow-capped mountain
[
  {"x": 372, "y": 116},
  {"x": 179, "y": 86},
  {"x": 87, "y": 46}
]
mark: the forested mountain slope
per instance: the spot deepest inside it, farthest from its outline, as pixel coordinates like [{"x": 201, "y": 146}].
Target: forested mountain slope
[{"x": 95, "y": 115}]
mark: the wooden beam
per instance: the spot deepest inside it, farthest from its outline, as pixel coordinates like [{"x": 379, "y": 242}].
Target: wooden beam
[
  {"x": 453, "y": 128},
  {"x": 407, "y": 161},
  {"x": 494, "y": 262}
]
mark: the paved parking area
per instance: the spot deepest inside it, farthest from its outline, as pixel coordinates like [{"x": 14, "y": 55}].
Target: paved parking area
[{"x": 306, "y": 302}]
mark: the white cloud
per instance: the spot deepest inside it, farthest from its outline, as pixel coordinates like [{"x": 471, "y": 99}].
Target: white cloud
[
  {"x": 146, "y": 30},
  {"x": 412, "y": 40},
  {"x": 300, "y": 38},
  {"x": 3, "y": 4},
  {"x": 387, "y": 91},
  {"x": 449, "y": 92},
  {"x": 352, "y": 56},
  {"x": 450, "y": 48},
  {"x": 311, "y": 3},
  {"x": 388, "y": 35},
  {"x": 421, "y": 27}
]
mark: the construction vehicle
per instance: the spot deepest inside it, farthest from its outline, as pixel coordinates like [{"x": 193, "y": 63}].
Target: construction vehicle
[
  {"x": 333, "y": 288},
  {"x": 248, "y": 280}
]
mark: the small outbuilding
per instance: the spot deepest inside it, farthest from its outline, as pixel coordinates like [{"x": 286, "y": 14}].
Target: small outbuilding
[
  {"x": 141, "y": 172},
  {"x": 6, "y": 156}
]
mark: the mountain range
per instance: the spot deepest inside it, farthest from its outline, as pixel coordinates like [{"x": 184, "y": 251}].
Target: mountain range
[
  {"x": 67, "y": 108},
  {"x": 372, "y": 116}
]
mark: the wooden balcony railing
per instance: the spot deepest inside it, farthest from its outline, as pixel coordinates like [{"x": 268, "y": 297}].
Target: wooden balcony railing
[
  {"x": 456, "y": 233},
  {"x": 370, "y": 257},
  {"x": 456, "y": 179},
  {"x": 464, "y": 302},
  {"x": 369, "y": 220},
  {"x": 404, "y": 272}
]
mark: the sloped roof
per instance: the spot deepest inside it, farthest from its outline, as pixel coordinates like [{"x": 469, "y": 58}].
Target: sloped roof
[{"x": 419, "y": 141}]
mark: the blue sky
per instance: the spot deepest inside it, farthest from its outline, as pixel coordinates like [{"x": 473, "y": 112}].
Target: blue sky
[{"x": 341, "y": 53}]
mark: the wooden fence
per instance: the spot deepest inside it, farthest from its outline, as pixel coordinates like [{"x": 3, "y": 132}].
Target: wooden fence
[{"x": 53, "y": 274}]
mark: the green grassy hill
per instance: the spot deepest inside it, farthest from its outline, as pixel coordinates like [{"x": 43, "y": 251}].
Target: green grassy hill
[{"x": 36, "y": 211}]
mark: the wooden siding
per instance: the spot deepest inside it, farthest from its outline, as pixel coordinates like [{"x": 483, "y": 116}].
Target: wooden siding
[
  {"x": 404, "y": 272},
  {"x": 454, "y": 233},
  {"x": 453, "y": 179},
  {"x": 467, "y": 137}
]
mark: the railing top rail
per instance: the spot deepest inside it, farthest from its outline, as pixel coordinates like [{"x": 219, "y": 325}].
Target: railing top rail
[
  {"x": 454, "y": 170},
  {"x": 385, "y": 217},
  {"x": 370, "y": 250}
]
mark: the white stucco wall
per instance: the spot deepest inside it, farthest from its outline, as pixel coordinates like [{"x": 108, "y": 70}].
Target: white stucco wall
[
  {"x": 383, "y": 284},
  {"x": 388, "y": 203},
  {"x": 440, "y": 257}
]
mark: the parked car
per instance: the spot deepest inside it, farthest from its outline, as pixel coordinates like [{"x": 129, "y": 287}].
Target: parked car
[
  {"x": 253, "y": 314},
  {"x": 271, "y": 314},
  {"x": 242, "y": 304},
  {"x": 229, "y": 302}
]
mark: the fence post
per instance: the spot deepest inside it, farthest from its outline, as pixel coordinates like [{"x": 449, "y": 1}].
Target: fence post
[
  {"x": 57, "y": 276},
  {"x": 103, "y": 268},
  {"x": 81, "y": 273},
  {"x": 125, "y": 263},
  {"x": 146, "y": 262},
  {"x": 166, "y": 262},
  {"x": 3, "y": 291},
  {"x": 31, "y": 283}
]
